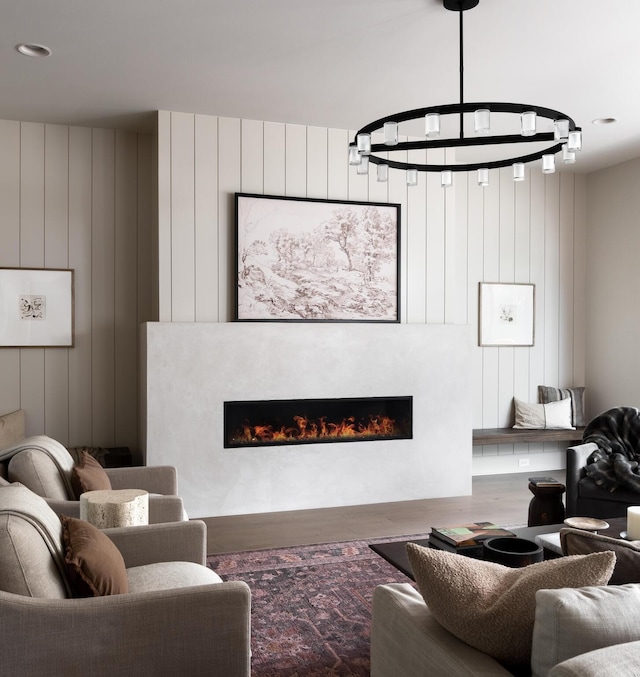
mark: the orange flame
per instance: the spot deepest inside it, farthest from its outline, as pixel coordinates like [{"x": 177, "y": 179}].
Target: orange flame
[{"x": 310, "y": 429}]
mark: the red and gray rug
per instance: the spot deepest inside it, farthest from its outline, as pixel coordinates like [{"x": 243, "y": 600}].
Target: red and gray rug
[{"x": 311, "y": 606}]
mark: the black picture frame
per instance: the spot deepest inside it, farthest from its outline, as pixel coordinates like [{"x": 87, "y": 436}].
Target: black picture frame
[{"x": 316, "y": 260}]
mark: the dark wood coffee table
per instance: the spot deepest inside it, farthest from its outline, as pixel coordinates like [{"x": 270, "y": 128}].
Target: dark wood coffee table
[{"x": 395, "y": 552}]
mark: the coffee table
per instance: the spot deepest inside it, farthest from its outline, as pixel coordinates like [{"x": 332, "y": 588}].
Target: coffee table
[{"x": 395, "y": 552}]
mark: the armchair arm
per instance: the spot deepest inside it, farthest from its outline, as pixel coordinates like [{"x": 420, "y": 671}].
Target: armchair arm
[
  {"x": 196, "y": 631},
  {"x": 159, "y": 479},
  {"x": 170, "y": 542},
  {"x": 576, "y": 461}
]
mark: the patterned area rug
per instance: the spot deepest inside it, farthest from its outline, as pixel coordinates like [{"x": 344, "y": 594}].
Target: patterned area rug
[{"x": 311, "y": 606}]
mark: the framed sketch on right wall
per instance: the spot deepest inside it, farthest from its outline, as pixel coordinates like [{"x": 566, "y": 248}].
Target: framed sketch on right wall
[{"x": 506, "y": 314}]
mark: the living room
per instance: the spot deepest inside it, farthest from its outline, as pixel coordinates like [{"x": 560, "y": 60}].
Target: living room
[{"x": 144, "y": 215}]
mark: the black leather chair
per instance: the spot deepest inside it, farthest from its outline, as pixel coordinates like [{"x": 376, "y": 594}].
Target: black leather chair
[{"x": 584, "y": 497}]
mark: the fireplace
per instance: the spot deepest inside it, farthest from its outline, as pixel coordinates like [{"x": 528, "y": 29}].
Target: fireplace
[{"x": 259, "y": 423}]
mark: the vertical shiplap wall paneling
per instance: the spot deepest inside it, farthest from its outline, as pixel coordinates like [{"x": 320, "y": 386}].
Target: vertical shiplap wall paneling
[
  {"x": 552, "y": 277},
  {"x": 229, "y": 181},
  {"x": 580, "y": 282},
  {"x": 207, "y": 289},
  {"x": 566, "y": 297},
  {"x": 456, "y": 253},
  {"x": 338, "y": 168},
  {"x": 491, "y": 273},
  {"x": 183, "y": 293},
  {"x": 56, "y": 238},
  {"x": 69, "y": 199},
  {"x": 80, "y": 247},
  {"x": 32, "y": 256},
  {"x": 537, "y": 244},
  {"x": 103, "y": 286},
  {"x": 522, "y": 274},
  {"x": 436, "y": 214},
  {"x": 317, "y": 162},
  {"x": 296, "y": 160},
  {"x": 475, "y": 240},
  {"x": 399, "y": 193},
  {"x": 274, "y": 158},
  {"x": 451, "y": 241},
  {"x": 506, "y": 355},
  {"x": 147, "y": 244},
  {"x": 165, "y": 273},
  {"x": 126, "y": 289},
  {"x": 10, "y": 249},
  {"x": 415, "y": 263},
  {"x": 252, "y": 149}
]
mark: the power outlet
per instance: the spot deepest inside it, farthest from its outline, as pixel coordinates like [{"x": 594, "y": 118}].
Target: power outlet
[{"x": 523, "y": 462}]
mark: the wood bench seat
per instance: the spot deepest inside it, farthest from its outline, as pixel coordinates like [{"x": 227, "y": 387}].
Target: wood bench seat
[{"x": 514, "y": 435}]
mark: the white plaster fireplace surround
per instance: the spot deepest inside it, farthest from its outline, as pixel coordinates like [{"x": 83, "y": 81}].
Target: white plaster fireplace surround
[{"x": 190, "y": 369}]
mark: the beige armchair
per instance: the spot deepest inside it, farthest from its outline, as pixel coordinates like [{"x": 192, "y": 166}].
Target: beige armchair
[
  {"x": 44, "y": 465},
  {"x": 177, "y": 618}
]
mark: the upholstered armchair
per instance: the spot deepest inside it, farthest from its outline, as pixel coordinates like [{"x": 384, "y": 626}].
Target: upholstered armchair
[
  {"x": 170, "y": 616},
  {"x": 600, "y": 477},
  {"x": 45, "y": 466}
]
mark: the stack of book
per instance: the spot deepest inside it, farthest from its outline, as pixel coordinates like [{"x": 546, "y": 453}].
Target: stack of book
[{"x": 465, "y": 539}]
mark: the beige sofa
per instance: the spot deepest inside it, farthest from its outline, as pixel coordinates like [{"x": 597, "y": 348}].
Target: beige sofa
[{"x": 578, "y": 632}]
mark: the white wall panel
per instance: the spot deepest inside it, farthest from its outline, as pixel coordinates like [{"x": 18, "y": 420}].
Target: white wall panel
[
  {"x": 69, "y": 199},
  {"x": 451, "y": 241},
  {"x": 207, "y": 284}
]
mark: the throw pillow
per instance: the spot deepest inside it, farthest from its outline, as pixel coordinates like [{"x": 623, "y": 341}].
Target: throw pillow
[
  {"x": 572, "y": 622},
  {"x": 491, "y": 607},
  {"x": 95, "y": 566},
  {"x": 580, "y": 542},
  {"x": 548, "y": 394},
  {"x": 89, "y": 475},
  {"x": 538, "y": 416}
]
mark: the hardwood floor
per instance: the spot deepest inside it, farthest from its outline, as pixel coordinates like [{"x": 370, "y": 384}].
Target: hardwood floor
[{"x": 503, "y": 499}]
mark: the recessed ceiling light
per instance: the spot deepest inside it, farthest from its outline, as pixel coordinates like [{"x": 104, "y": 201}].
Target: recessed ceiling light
[
  {"x": 604, "y": 121},
  {"x": 29, "y": 49}
]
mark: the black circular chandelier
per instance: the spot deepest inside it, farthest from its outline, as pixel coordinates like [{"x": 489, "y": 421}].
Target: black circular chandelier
[{"x": 565, "y": 138}]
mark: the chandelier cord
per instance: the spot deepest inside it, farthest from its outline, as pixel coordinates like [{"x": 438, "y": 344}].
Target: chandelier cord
[{"x": 461, "y": 68}]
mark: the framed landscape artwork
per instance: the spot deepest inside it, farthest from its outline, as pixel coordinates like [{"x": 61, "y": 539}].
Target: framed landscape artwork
[
  {"x": 36, "y": 308},
  {"x": 506, "y": 314},
  {"x": 301, "y": 260}
]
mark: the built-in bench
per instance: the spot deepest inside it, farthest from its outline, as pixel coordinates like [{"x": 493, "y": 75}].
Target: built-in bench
[{"x": 515, "y": 435}]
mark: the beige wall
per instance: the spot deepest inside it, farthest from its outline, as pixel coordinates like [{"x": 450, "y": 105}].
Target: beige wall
[
  {"x": 451, "y": 240},
  {"x": 613, "y": 283},
  {"x": 80, "y": 198}
]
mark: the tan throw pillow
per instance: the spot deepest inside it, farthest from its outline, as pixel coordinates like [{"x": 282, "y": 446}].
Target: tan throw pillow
[
  {"x": 89, "y": 475},
  {"x": 492, "y": 607},
  {"x": 94, "y": 564},
  {"x": 540, "y": 416}
]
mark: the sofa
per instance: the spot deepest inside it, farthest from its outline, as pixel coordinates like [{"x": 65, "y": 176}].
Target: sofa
[
  {"x": 407, "y": 641},
  {"x": 469, "y": 617}
]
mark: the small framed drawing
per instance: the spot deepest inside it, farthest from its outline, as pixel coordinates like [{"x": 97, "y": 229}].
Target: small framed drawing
[
  {"x": 506, "y": 314},
  {"x": 36, "y": 308},
  {"x": 307, "y": 259}
]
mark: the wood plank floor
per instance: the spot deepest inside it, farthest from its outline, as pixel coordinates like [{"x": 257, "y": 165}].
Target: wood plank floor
[{"x": 503, "y": 499}]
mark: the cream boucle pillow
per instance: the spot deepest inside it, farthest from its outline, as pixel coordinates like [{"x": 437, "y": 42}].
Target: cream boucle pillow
[{"x": 492, "y": 607}]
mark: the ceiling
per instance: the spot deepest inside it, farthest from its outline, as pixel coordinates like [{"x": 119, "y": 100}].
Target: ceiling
[{"x": 330, "y": 63}]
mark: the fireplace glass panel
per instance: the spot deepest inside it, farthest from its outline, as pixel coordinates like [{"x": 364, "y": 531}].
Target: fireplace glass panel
[{"x": 257, "y": 423}]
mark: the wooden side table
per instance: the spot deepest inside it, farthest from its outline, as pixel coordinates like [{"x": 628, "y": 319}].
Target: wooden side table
[
  {"x": 546, "y": 506},
  {"x": 115, "y": 508}
]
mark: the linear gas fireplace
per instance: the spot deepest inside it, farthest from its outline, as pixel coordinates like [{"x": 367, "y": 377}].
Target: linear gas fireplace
[{"x": 259, "y": 423}]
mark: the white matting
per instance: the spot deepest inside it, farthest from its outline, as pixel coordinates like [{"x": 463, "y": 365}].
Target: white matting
[{"x": 189, "y": 370}]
